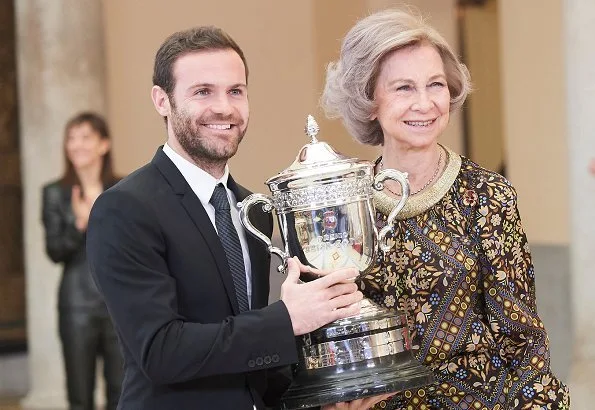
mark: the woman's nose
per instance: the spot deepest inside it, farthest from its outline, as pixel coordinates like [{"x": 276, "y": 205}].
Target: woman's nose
[{"x": 423, "y": 101}]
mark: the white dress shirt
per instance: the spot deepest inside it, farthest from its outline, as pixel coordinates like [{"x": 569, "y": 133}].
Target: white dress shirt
[{"x": 203, "y": 184}]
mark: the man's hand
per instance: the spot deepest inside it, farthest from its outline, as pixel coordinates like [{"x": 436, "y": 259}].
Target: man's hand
[
  {"x": 360, "y": 404},
  {"x": 313, "y": 304},
  {"x": 592, "y": 166}
]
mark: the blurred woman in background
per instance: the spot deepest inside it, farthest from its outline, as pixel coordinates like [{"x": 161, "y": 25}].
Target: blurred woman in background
[{"x": 85, "y": 328}]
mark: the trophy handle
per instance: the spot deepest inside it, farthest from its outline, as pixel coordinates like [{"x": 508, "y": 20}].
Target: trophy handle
[
  {"x": 267, "y": 206},
  {"x": 401, "y": 178}
]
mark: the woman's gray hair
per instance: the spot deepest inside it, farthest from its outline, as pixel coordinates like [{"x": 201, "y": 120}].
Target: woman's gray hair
[{"x": 350, "y": 81}]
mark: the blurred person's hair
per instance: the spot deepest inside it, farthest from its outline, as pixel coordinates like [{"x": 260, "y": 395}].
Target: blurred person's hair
[
  {"x": 351, "y": 80},
  {"x": 99, "y": 125}
]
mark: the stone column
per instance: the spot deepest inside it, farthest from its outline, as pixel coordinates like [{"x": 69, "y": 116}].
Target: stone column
[
  {"x": 579, "y": 19},
  {"x": 60, "y": 61}
]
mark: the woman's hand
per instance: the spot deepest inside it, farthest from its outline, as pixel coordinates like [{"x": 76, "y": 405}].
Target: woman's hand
[
  {"x": 81, "y": 206},
  {"x": 360, "y": 404}
]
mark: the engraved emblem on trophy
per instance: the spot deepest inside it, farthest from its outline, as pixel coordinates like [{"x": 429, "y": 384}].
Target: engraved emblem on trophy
[{"x": 324, "y": 206}]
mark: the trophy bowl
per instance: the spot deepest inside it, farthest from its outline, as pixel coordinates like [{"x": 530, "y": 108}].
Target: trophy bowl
[{"x": 325, "y": 211}]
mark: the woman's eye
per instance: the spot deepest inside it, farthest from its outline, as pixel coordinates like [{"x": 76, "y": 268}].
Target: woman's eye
[
  {"x": 404, "y": 88},
  {"x": 437, "y": 84}
]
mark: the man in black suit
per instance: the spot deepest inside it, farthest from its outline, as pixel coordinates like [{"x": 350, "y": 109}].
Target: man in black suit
[{"x": 162, "y": 249}]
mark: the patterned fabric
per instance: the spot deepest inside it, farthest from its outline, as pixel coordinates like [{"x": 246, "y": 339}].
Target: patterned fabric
[
  {"x": 231, "y": 243},
  {"x": 462, "y": 271}
]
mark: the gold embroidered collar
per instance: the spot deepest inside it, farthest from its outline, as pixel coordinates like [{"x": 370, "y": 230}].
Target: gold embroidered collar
[{"x": 417, "y": 204}]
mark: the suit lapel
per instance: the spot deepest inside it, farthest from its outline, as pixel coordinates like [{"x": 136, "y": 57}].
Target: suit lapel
[{"x": 201, "y": 220}]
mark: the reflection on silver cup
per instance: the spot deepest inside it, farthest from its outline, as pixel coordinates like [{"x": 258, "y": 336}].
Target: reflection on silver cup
[
  {"x": 332, "y": 237},
  {"x": 324, "y": 207}
]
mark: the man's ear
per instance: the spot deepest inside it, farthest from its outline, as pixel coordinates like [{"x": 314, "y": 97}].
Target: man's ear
[{"x": 160, "y": 101}]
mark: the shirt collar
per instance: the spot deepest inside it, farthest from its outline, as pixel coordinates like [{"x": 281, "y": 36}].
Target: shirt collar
[{"x": 202, "y": 183}]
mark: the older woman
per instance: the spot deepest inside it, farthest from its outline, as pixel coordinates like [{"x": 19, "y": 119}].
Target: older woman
[{"x": 460, "y": 262}]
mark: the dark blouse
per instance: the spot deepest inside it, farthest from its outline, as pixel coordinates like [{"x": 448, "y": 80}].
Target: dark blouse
[{"x": 460, "y": 267}]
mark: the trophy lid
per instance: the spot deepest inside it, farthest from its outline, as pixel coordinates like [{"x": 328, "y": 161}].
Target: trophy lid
[{"x": 316, "y": 158}]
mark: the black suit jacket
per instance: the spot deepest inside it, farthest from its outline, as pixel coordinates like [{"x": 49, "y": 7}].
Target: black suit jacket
[{"x": 162, "y": 270}]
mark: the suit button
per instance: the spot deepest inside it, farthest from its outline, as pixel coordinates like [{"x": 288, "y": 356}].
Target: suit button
[
  {"x": 259, "y": 361},
  {"x": 251, "y": 363},
  {"x": 267, "y": 360},
  {"x": 275, "y": 358}
]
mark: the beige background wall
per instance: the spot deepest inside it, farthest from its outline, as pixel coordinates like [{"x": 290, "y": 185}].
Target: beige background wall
[
  {"x": 534, "y": 113},
  {"x": 480, "y": 32},
  {"x": 287, "y": 44}
]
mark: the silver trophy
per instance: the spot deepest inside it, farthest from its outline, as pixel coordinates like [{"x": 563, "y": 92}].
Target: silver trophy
[{"x": 326, "y": 216}]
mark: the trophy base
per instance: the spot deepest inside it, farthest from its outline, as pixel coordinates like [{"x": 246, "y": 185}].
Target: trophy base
[
  {"x": 356, "y": 357},
  {"x": 389, "y": 374}
]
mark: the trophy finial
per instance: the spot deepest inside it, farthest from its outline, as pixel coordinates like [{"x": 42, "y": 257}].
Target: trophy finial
[{"x": 312, "y": 129}]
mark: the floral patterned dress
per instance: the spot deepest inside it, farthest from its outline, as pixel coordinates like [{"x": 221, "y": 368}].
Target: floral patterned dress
[{"x": 460, "y": 267}]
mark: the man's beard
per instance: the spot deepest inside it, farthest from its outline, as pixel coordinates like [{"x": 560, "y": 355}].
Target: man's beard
[{"x": 205, "y": 148}]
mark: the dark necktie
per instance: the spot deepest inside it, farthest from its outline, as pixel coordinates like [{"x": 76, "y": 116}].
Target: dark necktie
[{"x": 231, "y": 243}]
